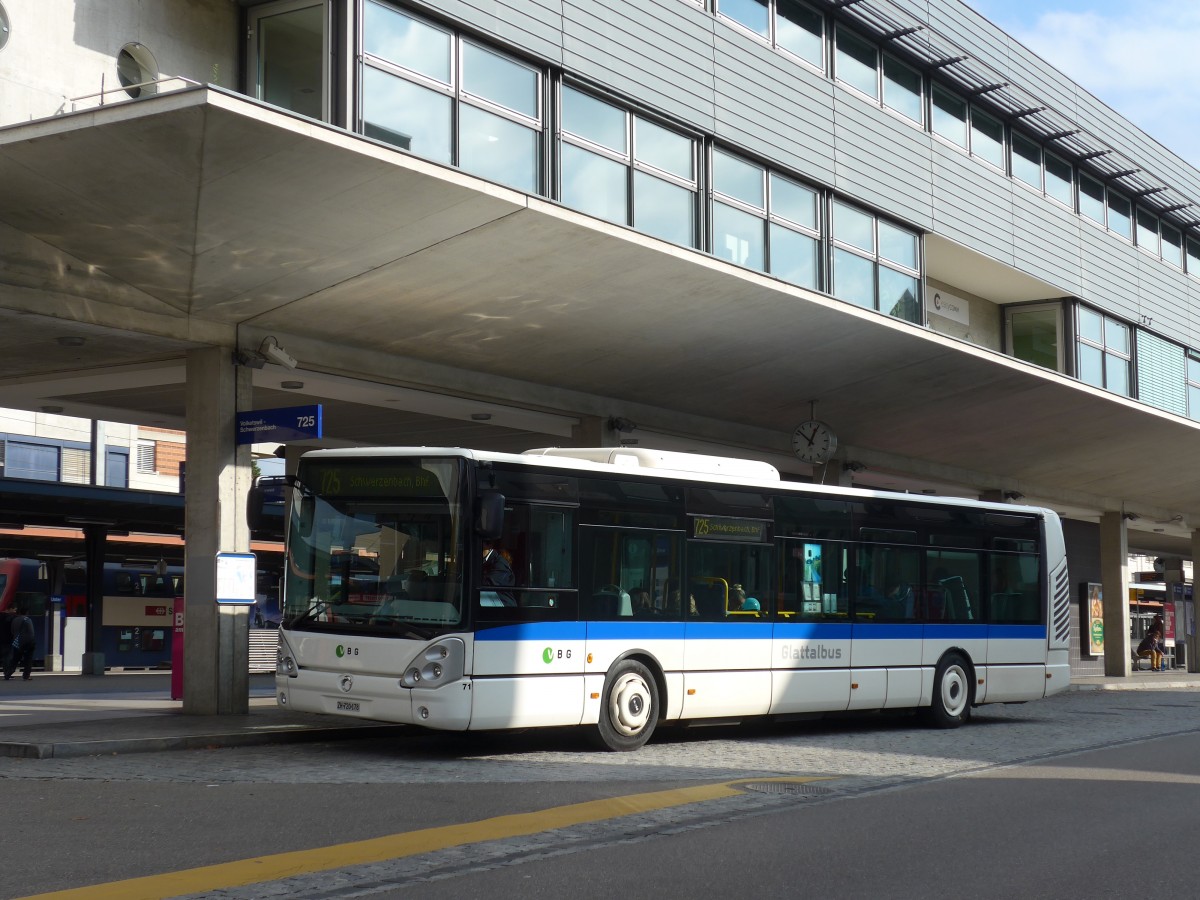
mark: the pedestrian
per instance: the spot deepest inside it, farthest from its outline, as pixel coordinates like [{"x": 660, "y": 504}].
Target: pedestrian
[
  {"x": 1152, "y": 647},
  {"x": 6, "y": 650},
  {"x": 22, "y": 644}
]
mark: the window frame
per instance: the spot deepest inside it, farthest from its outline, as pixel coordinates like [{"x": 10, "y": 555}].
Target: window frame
[
  {"x": 1107, "y": 352},
  {"x": 628, "y": 158}
]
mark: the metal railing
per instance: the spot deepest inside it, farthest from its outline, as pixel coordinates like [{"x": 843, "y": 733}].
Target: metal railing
[{"x": 125, "y": 88}]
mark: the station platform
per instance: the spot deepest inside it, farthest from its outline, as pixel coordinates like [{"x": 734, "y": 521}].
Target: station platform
[{"x": 62, "y": 715}]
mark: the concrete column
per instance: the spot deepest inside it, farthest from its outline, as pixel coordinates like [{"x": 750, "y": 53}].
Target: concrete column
[
  {"x": 595, "y": 431},
  {"x": 216, "y": 640},
  {"x": 1114, "y": 575},
  {"x": 1193, "y": 640},
  {"x": 833, "y": 473},
  {"x": 94, "y": 537}
]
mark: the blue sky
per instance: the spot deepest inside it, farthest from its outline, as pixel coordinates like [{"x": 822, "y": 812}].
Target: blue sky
[{"x": 1141, "y": 57}]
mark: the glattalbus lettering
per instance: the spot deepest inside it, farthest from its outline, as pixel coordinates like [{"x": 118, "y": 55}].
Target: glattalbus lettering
[{"x": 811, "y": 651}]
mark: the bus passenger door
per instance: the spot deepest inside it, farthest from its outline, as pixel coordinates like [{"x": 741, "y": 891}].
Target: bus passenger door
[
  {"x": 888, "y": 630},
  {"x": 727, "y": 654},
  {"x": 630, "y": 601},
  {"x": 811, "y": 638}
]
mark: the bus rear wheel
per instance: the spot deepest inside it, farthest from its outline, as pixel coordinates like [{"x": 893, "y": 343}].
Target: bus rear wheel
[
  {"x": 629, "y": 710},
  {"x": 951, "y": 705}
]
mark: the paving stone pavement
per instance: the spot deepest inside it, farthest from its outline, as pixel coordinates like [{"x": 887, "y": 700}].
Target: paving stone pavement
[{"x": 871, "y": 749}]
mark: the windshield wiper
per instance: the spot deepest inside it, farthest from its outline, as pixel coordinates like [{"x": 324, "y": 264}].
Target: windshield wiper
[
  {"x": 407, "y": 628},
  {"x": 316, "y": 607}
]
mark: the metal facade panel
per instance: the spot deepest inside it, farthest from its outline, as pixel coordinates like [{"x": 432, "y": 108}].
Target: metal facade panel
[
  {"x": 1109, "y": 269},
  {"x": 1163, "y": 292},
  {"x": 660, "y": 54},
  {"x": 534, "y": 26},
  {"x": 882, "y": 160},
  {"x": 972, "y": 203},
  {"x": 1047, "y": 240},
  {"x": 790, "y": 121}
]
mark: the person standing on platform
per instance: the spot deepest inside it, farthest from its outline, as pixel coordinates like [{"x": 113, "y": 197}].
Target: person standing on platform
[
  {"x": 23, "y": 642},
  {"x": 6, "y": 648}
]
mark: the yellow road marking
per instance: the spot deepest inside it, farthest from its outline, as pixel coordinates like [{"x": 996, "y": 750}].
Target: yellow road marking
[{"x": 396, "y": 846}]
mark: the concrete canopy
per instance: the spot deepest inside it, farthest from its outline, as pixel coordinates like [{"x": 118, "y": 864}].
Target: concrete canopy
[{"x": 419, "y": 299}]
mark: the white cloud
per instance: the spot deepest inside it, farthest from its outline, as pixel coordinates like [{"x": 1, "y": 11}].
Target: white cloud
[{"x": 1142, "y": 62}]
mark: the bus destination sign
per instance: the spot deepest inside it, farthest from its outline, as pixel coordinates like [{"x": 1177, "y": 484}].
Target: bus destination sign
[{"x": 290, "y": 423}]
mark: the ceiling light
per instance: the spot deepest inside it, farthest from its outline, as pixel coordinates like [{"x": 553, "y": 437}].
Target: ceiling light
[
  {"x": 291, "y": 385},
  {"x": 53, "y": 410},
  {"x": 481, "y": 417},
  {"x": 71, "y": 340}
]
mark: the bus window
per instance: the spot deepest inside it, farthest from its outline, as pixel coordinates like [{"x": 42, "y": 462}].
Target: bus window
[
  {"x": 883, "y": 590},
  {"x": 629, "y": 573},
  {"x": 1015, "y": 596},
  {"x": 951, "y": 591},
  {"x": 811, "y": 580},
  {"x": 723, "y": 579}
]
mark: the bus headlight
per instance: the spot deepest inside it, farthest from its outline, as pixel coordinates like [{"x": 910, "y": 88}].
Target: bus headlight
[
  {"x": 284, "y": 664},
  {"x": 436, "y": 665}
]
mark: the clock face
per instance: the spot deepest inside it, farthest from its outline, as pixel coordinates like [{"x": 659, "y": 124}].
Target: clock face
[{"x": 814, "y": 442}]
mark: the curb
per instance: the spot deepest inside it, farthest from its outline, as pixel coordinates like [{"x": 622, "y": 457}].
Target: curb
[{"x": 66, "y": 749}]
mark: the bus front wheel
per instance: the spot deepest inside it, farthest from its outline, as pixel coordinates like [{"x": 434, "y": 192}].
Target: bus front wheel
[
  {"x": 630, "y": 707},
  {"x": 951, "y": 705}
]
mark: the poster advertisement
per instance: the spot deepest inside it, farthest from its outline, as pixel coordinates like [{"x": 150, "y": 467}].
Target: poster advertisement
[
  {"x": 1169, "y": 624},
  {"x": 1094, "y": 618}
]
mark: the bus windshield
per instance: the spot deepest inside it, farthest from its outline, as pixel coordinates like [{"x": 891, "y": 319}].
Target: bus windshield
[{"x": 380, "y": 551}]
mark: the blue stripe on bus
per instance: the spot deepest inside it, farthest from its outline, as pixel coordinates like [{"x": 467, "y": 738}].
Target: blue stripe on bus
[
  {"x": 640, "y": 630},
  {"x": 534, "y": 631}
]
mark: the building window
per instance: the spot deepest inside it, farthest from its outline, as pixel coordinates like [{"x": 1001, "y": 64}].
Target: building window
[
  {"x": 857, "y": 63},
  {"x": 1026, "y": 161},
  {"x": 800, "y": 31},
  {"x": 146, "y": 460},
  {"x": 1060, "y": 181},
  {"x": 1172, "y": 245},
  {"x": 1193, "y": 386},
  {"x": 1103, "y": 351},
  {"x": 949, "y": 116},
  {"x": 987, "y": 138},
  {"x": 626, "y": 169},
  {"x": 754, "y": 15},
  {"x": 1161, "y": 372},
  {"x": 23, "y": 459},
  {"x": 875, "y": 263},
  {"x": 289, "y": 54},
  {"x": 1091, "y": 198},
  {"x": 902, "y": 89},
  {"x": 1147, "y": 232},
  {"x": 1034, "y": 334},
  {"x": 428, "y": 91},
  {"x": 1192, "y": 246},
  {"x": 1120, "y": 216},
  {"x": 765, "y": 221}
]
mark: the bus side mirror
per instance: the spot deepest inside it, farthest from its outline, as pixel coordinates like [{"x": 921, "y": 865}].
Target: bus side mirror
[
  {"x": 489, "y": 522},
  {"x": 308, "y": 512}
]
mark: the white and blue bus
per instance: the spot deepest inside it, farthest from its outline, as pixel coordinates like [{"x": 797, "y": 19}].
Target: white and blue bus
[{"x": 622, "y": 588}]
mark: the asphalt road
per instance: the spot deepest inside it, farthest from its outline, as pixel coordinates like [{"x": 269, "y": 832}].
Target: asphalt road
[{"x": 1064, "y": 797}]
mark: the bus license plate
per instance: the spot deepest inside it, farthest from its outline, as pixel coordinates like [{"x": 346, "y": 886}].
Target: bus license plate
[{"x": 347, "y": 705}]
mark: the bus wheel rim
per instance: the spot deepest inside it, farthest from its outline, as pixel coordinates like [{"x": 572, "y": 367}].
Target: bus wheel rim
[
  {"x": 629, "y": 704},
  {"x": 954, "y": 690}
]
